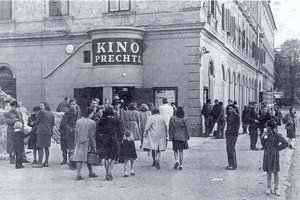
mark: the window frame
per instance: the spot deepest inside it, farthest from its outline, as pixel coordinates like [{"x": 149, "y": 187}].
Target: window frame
[
  {"x": 60, "y": 9},
  {"x": 10, "y": 13},
  {"x": 119, "y": 6}
]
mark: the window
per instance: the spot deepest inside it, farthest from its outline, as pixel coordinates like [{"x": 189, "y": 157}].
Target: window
[
  {"x": 223, "y": 16},
  {"x": 211, "y": 68},
  {"x": 5, "y": 9},
  {"x": 118, "y": 5},
  {"x": 213, "y": 8},
  {"x": 223, "y": 72},
  {"x": 58, "y": 7},
  {"x": 86, "y": 56}
]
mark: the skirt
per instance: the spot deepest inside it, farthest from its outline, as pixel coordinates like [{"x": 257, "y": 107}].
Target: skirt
[
  {"x": 290, "y": 134},
  {"x": 32, "y": 141},
  {"x": 43, "y": 140},
  {"x": 179, "y": 145},
  {"x": 9, "y": 143},
  {"x": 128, "y": 151}
]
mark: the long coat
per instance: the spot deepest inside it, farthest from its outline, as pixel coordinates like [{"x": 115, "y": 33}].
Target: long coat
[
  {"x": 178, "y": 129},
  {"x": 10, "y": 118},
  {"x": 233, "y": 125},
  {"x": 84, "y": 138},
  {"x": 133, "y": 123},
  {"x": 144, "y": 116},
  {"x": 291, "y": 122},
  {"x": 44, "y": 132},
  {"x": 166, "y": 111},
  {"x": 155, "y": 133},
  {"x": 272, "y": 145}
]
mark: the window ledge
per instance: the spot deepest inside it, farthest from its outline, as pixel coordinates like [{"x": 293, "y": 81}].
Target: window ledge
[
  {"x": 7, "y": 21},
  {"x": 57, "y": 18},
  {"x": 119, "y": 13}
]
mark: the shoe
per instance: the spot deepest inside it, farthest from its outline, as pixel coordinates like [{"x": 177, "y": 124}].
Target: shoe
[
  {"x": 20, "y": 167},
  {"x": 110, "y": 177},
  {"x": 93, "y": 175},
  {"x": 180, "y": 168},
  {"x": 229, "y": 168},
  {"x": 79, "y": 178},
  {"x": 268, "y": 191},
  {"x": 254, "y": 149},
  {"x": 25, "y": 161},
  {"x": 176, "y": 165},
  {"x": 132, "y": 174},
  {"x": 107, "y": 177},
  {"x": 72, "y": 168},
  {"x": 126, "y": 175},
  {"x": 291, "y": 146},
  {"x": 157, "y": 165},
  {"x": 45, "y": 164},
  {"x": 34, "y": 162},
  {"x": 277, "y": 192},
  {"x": 63, "y": 162},
  {"x": 37, "y": 166},
  {"x": 154, "y": 164}
]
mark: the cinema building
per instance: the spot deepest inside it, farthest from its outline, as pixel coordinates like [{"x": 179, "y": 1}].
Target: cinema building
[{"x": 142, "y": 51}]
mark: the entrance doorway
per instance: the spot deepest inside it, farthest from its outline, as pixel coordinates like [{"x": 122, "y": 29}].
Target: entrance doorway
[
  {"x": 125, "y": 93},
  {"x": 7, "y": 81},
  {"x": 84, "y": 96}
]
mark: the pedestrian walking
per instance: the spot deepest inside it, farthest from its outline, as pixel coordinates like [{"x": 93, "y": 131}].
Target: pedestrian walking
[
  {"x": 156, "y": 135},
  {"x": 179, "y": 135},
  {"x": 206, "y": 112},
  {"x": 221, "y": 122},
  {"x": 232, "y": 132},
  {"x": 128, "y": 152},
  {"x": 68, "y": 124},
  {"x": 109, "y": 129},
  {"x": 253, "y": 128},
  {"x": 144, "y": 114},
  {"x": 215, "y": 113},
  {"x": 18, "y": 143},
  {"x": 11, "y": 117},
  {"x": 132, "y": 121},
  {"x": 272, "y": 142},
  {"x": 230, "y": 102},
  {"x": 246, "y": 118},
  {"x": 166, "y": 111},
  {"x": 32, "y": 134},
  {"x": 45, "y": 124},
  {"x": 85, "y": 142},
  {"x": 291, "y": 122},
  {"x": 278, "y": 114}
]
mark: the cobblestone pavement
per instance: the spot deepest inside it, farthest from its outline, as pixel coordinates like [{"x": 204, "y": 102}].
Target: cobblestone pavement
[{"x": 204, "y": 161}]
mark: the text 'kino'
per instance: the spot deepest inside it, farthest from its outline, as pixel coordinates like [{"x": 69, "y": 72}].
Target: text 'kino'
[{"x": 103, "y": 47}]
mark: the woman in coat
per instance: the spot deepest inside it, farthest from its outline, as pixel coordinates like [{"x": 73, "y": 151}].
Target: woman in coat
[
  {"x": 291, "y": 123},
  {"x": 32, "y": 135},
  {"x": 109, "y": 129},
  {"x": 179, "y": 135},
  {"x": 144, "y": 114},
  {"x": 44, "y": 132},
  {"x": 132, "y": 121},
  {"x": 155, "y": 137},
  {"x": 84, "y": 141}
]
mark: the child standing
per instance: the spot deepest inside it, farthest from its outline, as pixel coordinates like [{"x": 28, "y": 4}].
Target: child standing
[
  {"x": 128, "y": 152},
  {"x": 179, "y": 135},
  {"x": 18, "y": 139},
  {"x": 272, "y": 142}
]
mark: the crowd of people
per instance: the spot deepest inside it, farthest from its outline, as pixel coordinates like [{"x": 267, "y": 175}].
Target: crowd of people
[{"x": 106, "y": 134}]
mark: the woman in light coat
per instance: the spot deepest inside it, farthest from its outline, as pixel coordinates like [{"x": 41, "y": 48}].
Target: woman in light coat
[
  {"x": 144, "y": 115},
  {"x": 84, "y": 141},
  {"x": 155, "y": 137},
  {"x": 132, "y": 121}
]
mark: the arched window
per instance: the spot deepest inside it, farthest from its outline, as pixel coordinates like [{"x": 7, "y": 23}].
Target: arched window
[
  {"x": 211, "y": 68},
  {"x": 234, "y": 78},
  {"x": 223, "y": 72},
  {"x": 7, "y": 80},
  {"x": 229, "y": 76}
]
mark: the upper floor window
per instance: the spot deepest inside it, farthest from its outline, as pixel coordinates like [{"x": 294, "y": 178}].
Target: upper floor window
[
  {"x": 58, "y": 7},
  {"x": 213, "y": 8},
  {"x": 5, "y": 9},
  {"x": 118, "y": 5}
]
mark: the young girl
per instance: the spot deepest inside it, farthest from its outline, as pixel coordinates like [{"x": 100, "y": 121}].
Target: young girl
[
  {"x": 272, "y": 142},
  {"x": 179, "y": 135},
  {"x": 128, "y": 152}
]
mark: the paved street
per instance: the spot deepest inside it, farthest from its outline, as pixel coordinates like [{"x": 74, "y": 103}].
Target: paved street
[{"x": 204, "y": 161}]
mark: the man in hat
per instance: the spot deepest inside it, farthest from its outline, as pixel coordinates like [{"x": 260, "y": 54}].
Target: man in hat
[{"x": 166, "y": 111}]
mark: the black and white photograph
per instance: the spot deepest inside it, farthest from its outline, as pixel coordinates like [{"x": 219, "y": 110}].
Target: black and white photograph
[{"x": 149, "y": 99}]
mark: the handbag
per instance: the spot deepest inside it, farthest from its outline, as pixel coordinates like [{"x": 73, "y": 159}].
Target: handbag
[{"x": 92, "y": 157}]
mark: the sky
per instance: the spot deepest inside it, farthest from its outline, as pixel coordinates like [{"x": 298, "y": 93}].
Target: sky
[{"x": 287, "y": 18}]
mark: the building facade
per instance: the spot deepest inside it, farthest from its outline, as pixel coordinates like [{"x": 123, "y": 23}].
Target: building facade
[{"x": 142, "y": 51}]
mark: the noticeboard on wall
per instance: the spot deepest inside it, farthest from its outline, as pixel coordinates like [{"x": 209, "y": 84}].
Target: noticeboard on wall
[{"x": 169, "y": 93}]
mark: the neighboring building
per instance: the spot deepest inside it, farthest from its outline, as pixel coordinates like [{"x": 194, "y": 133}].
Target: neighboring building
[{"x": 187, "y": 51}]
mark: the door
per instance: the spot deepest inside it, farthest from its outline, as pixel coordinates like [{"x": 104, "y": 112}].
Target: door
[
  {"x": 143, "y": 95},
  {"x": 84, "y": 96},
  {"x": 124, "y": 93}
]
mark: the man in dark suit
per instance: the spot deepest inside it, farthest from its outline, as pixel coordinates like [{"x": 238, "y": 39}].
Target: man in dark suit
[{"x": 232, "y": 132}]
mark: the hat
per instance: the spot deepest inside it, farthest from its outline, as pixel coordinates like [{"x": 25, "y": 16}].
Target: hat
[
  {"x": 127, "y": 133},
  {"x": 165, "y": 100},
  {"x": 18, "y": 125}
]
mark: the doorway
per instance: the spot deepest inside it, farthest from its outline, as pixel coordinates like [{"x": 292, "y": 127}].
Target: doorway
[
  {"x": 125, "y": 93},
  {"x": 84, "y": 96}
]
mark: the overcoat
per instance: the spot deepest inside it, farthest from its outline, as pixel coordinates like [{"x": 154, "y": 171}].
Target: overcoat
[
  {"x": 291, "y": 122},
  {"x": 144, "y": 116},
  {"x": 155, "y": 133},
  {"x": 178, "y": 129},
  {"x": 133, "y": 123},
  {"x": 44, "y": 132}
]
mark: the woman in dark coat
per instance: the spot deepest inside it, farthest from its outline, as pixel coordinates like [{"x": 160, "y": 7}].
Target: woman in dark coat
[
  {"x": 45, "y": 124},
  {"x": 291, "y": 122},
  {"x": 109, "y": 129},
  {"x": 179, "y": 135},
  {"x": 32, "y": 135},
  {"x": 272, "y": 142}
]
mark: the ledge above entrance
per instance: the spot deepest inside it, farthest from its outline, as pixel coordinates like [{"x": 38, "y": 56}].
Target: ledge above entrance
[{"x": 117, "y": 32}]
